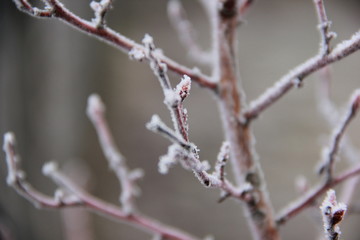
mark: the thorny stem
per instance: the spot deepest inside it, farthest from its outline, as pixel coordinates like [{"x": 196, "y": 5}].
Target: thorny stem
[
  {"x": 244, "y": 163},
  {"x": 78, "y": 197},
  {"x": 106, "y": 34}
]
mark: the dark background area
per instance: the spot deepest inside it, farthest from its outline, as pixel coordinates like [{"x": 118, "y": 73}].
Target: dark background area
[{"x": 47, "y": 71}]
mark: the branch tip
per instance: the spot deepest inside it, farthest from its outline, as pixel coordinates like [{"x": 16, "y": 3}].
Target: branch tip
[
  {"x": 95, "y": 106},
  {"x": 49, "y": 168}
]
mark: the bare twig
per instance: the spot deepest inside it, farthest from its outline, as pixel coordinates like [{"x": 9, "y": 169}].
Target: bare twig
[
  {"x": 296, "y": 76},
  {"x": 306, "y": 200},
  {"x": 186, "y": 33},
  {"x": 330, "y": 181},
  {"x": 95, "y": 111},
  {"x": 324, "y": 25},
  {"x": 71, "y": 195},
  {"x": 56, "y": 9},
  {"x": 332, "y": 213},
  {"x": 330, "y": 153},
  {"x": 17, "y": 179}
]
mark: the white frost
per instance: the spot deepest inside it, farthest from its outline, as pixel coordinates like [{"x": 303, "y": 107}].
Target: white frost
[
  {"x": 171, "y": 97},
  {"x": 136, "y": 54},
  {"x": 170, "y": 159},
  {"x": 94, "y": 106},
  {"x": 154, "y": 123},
  {"x": 50, "y": 168}
]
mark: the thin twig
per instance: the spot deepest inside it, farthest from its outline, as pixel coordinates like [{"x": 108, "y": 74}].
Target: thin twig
[
  {"x": 296, "y": 76},
  {"x": 71, "y": 196},
  {"x": 324, "y": 25},
  {"x": 306, "y": 200},
  {"x": 96, "y": 111},
  {"x": 57, "y": 10},
  {"x": 299, "y": 205},
  {"x": 330, "y": 153},
  {"x": 186, "y": 32},
  {"x": 173, "y": 98}
]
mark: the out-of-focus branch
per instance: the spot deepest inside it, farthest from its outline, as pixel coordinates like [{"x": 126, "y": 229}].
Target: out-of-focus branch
[
  {"x": 186, "y": 33},
  {"x": 330, "y": 181},
  {"x": 70, "y": 195},
  {"x": 306, "y": 200},
  {"x": 296, "y": 76},
  {"x": 17, "y": 179},
  {"x": 77, "y": 222},
  {"x": 332, "y": 213},
  {"x": 331, "y": 115},
  {"x": 55, "y": 9},
  {"x": 96, "y": 111},
  {"x": 330, "y": 153}
]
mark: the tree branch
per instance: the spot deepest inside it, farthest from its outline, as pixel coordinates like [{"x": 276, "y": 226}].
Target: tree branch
[
  {"x": 330, "y": 181},
  {"x": 186, "y": 32},
  {"x": 95, "y": 111},
  {"x": 296, "y": 76},
  {"x": 71, "y": 195},
  {"x": 56, "y": 9}
]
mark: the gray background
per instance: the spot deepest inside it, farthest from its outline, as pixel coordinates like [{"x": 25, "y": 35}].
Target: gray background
[{"x": 47, "y": 70}]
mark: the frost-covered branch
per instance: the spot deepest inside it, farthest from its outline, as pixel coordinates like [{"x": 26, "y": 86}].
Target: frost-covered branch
[
  {"x": 332, "y": 213},
  {"x": 70, "y": 195},
  {"x": 55, "y": 9},
  {"x": 173, "y": 98},
  {"x": 313, "y": 194},
  {"x": 330, "y": 153},
  {"x": 186, "y": 153},
  {"x": 324, "y": 25},
  {"x": 17, "y": 179},
  {"x": 296, "y": 76},
  {"x": 186, "y": 33},
  {"x": 331, "y": 115},
  {"x": 95, "y": 111},
  {"x": 329, "y": 156},
  {"x": 100, "y": 9}
]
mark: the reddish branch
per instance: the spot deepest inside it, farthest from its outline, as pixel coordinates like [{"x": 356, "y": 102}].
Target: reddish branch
[
  {"x": 306, "y": 201},
  {"x": 245, "y": 165},
  {"x": 58, "y": 10},
  {"x": 70, "y": 195},
  {"x": 329, "y": 181},
  {"x": 296, "y": 76}
]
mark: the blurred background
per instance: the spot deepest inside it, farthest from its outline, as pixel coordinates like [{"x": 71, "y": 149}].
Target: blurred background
[{"x": 47, "y": 71}]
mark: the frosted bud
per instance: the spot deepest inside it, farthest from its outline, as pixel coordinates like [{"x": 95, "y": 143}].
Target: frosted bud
[
  {"x": 332, "y": 213},
  {"x": 183, "y": 88}
]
